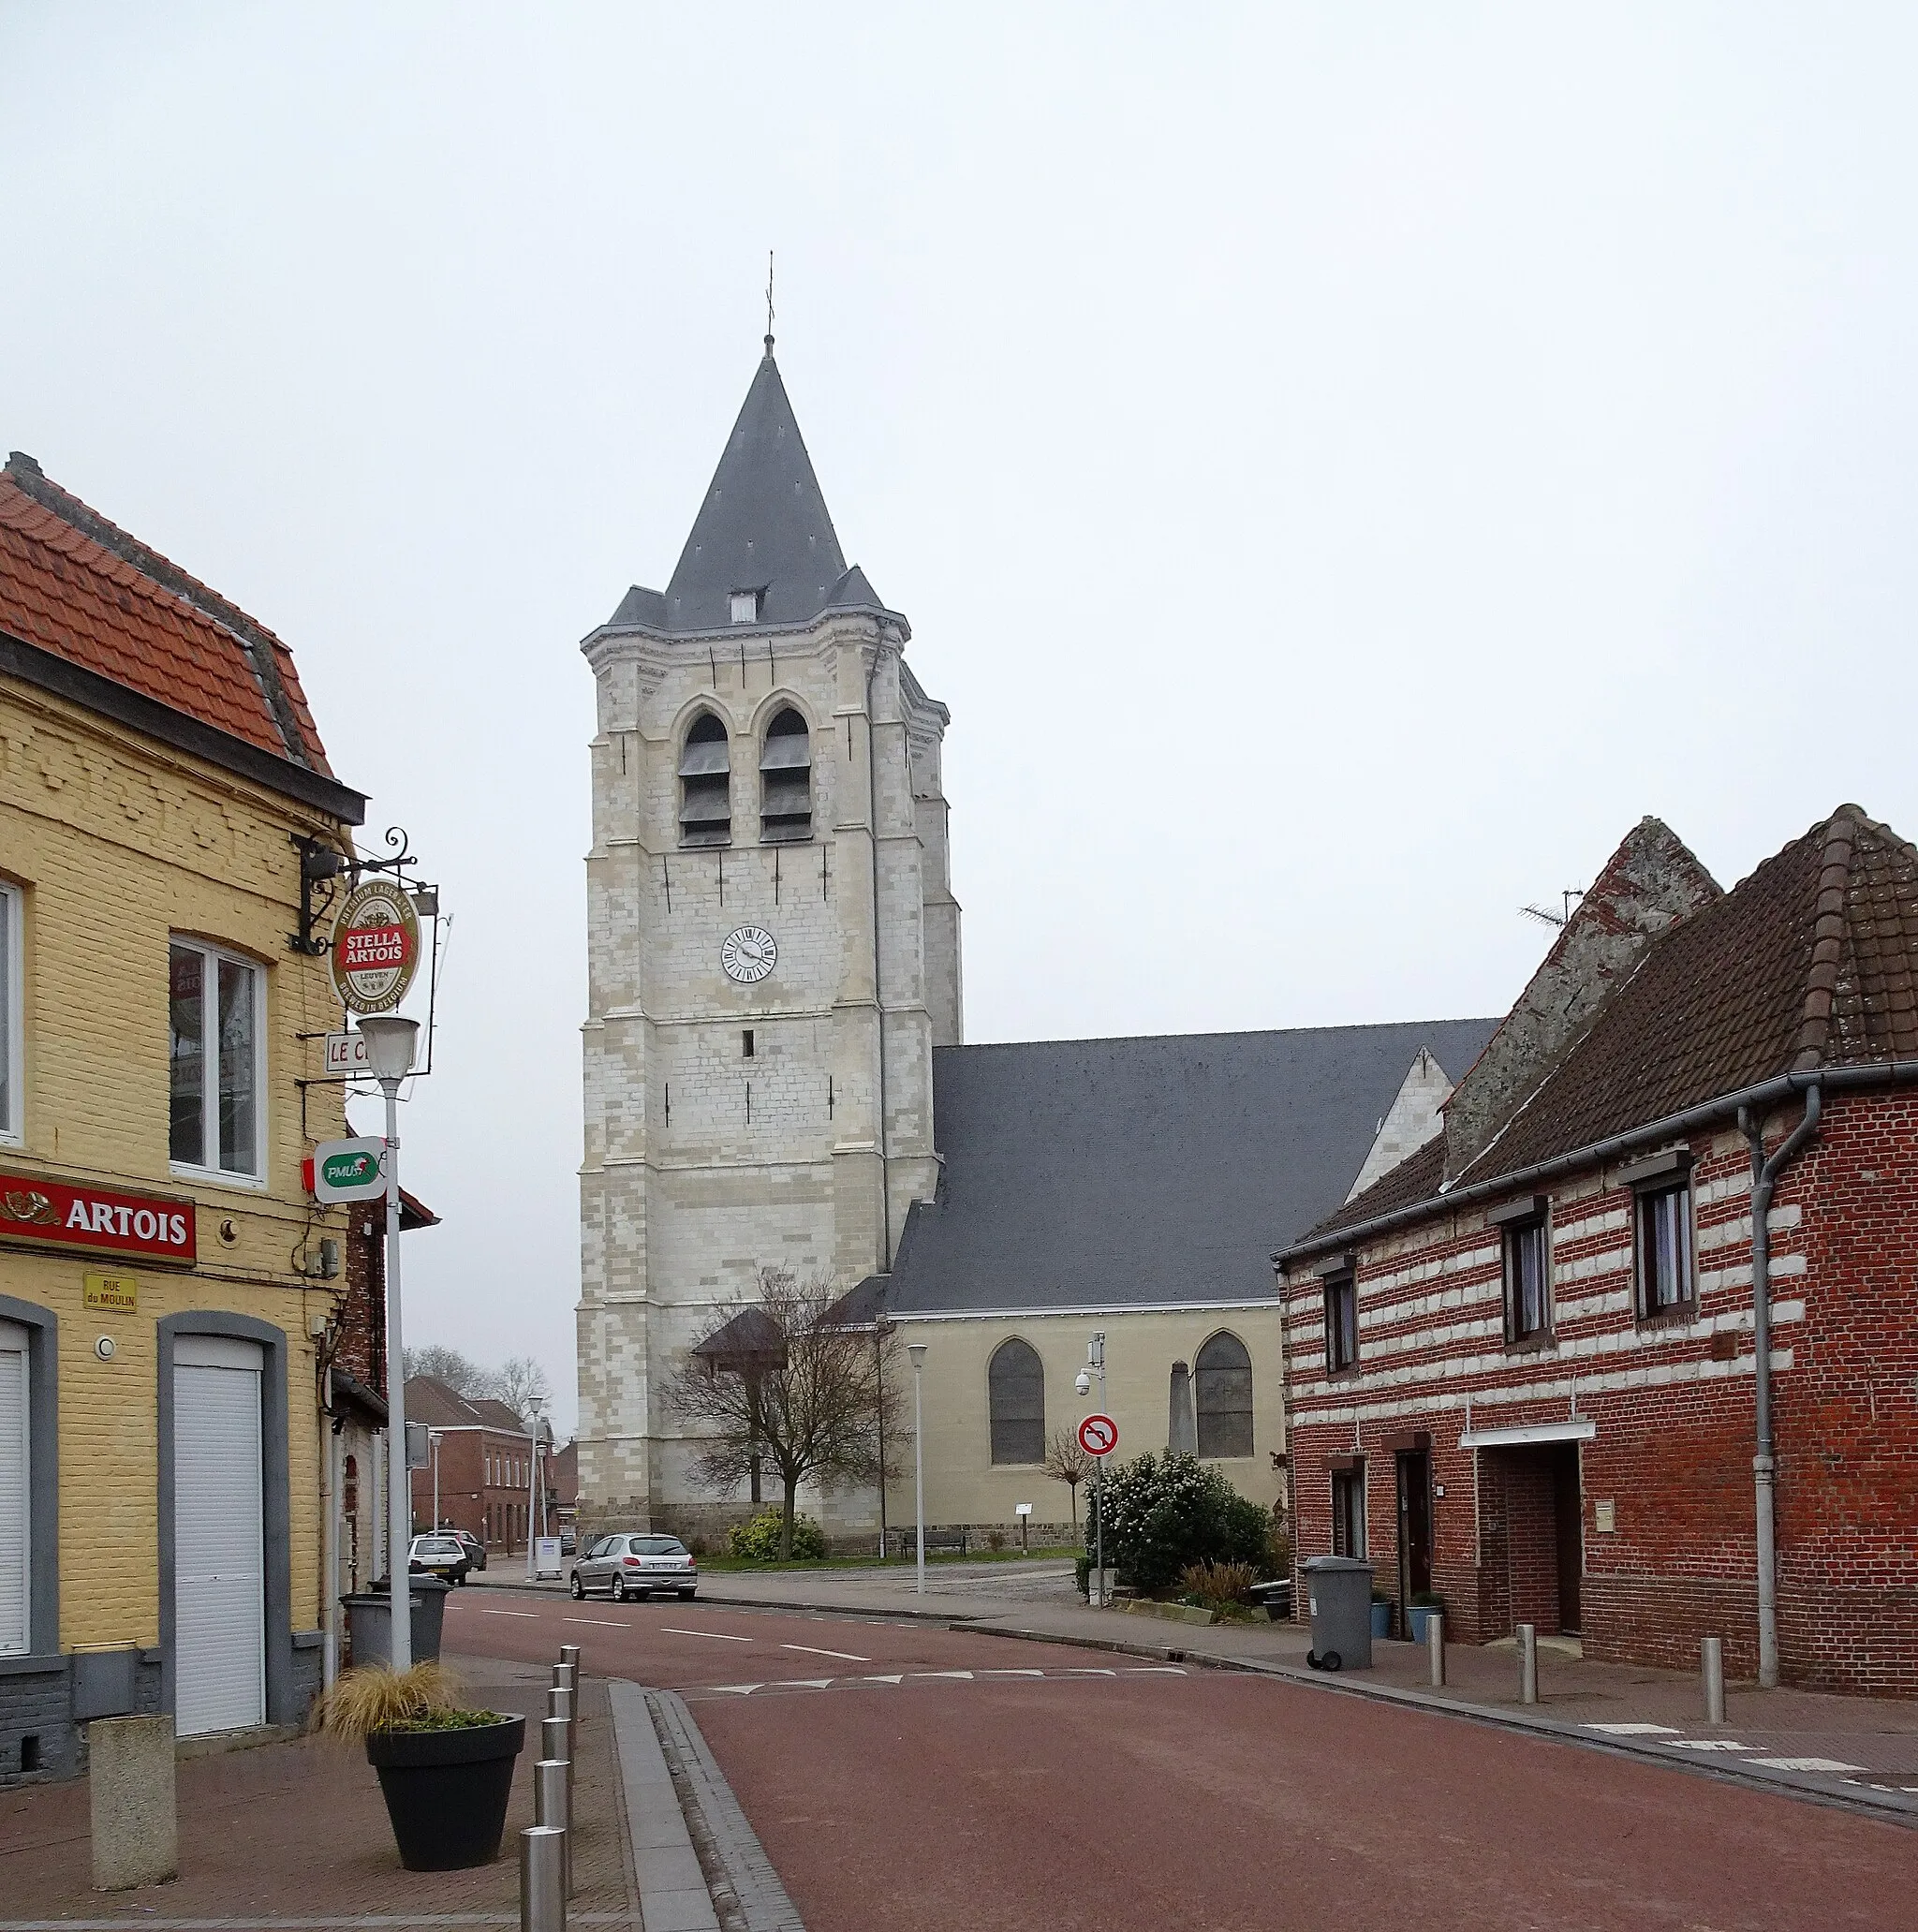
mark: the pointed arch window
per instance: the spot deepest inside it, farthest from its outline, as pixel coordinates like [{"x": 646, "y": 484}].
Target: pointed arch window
[
  {"x": 1224, "y": 1379},
  {"x": 1016, "y": 1393},
  {"x": 705, "y": 784},
  {"x": 785, "y": 780}
]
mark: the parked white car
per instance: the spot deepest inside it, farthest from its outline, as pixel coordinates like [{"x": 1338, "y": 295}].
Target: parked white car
[{"x": 632, "y": 1566}]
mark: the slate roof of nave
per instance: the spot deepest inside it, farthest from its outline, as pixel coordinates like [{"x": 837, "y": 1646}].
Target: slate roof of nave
[{"x": 1121, "y": 1173}]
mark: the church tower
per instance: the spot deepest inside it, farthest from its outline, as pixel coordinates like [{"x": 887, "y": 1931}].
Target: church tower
[{"x": 773, "y": 945}]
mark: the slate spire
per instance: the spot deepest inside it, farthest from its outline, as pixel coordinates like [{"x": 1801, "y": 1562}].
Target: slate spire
[{"x": 763, "y": 527}]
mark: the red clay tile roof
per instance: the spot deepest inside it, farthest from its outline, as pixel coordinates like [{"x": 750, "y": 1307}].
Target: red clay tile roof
[
  {"x": 1810, "y": 962},
  {"x": 76, "y": 585}
]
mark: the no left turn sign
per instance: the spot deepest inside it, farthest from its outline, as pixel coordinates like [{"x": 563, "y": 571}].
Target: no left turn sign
[{"x": 1098, "y": 1435}]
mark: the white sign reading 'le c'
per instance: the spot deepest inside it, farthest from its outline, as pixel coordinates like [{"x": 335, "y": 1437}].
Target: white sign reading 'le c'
[{"x": 1098, "y": 1435}]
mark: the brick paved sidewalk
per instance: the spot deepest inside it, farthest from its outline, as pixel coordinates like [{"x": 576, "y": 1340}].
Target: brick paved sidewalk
[{"x": 299, "y": 1830}]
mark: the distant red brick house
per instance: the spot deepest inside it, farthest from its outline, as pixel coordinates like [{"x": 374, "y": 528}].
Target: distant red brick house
[
  {"x": 1522, "y": 1370},
  {"x": 485, "y": 1465}
]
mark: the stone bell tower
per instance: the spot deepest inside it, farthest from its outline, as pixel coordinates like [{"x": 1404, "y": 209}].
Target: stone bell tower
[{"x": 772, "y": 944}]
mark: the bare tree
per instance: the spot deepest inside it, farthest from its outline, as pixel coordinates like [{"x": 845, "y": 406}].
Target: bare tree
[
  {"x": 518, "y": 1379},
  {"x": 785, "y": 1380},
  {"x": 448, "y": 1366},
  {"x": 1067, "y": 1462}
]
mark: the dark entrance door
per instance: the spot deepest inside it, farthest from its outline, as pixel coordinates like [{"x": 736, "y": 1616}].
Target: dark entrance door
[
  {"x": 1414, "y": 1531},
  {"x": 1568, "y": 1521}
]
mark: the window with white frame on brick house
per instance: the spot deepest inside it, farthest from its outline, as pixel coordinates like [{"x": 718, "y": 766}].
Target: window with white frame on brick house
[
  {"x": 1349, "y": 1510},
  {"x": 1663, "y": 1251},
  {"x": 12, "y": 1019},
  {"x": 1015, "y": 1398},
  {"x": 215, "y": 1007},
  {"x": 1341, "y": 1321},
  {"x": 705, "y": 784},
  {"x": 785, "y": 780},
  {"x": 1222, "y": 1379},
  {"x": 1526, "y": 1237}
]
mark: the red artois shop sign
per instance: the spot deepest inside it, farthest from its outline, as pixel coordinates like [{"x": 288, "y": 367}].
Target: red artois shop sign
[{"x": 102, "y": 1220}]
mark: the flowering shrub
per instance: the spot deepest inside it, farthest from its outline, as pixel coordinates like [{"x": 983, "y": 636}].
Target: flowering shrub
[
  {"x": 1165, "y": 1512},
  {"x": 758, "y": 1540}
]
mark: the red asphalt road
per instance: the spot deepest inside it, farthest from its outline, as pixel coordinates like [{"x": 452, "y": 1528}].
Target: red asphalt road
[{"x": 1211, "y": 1802}]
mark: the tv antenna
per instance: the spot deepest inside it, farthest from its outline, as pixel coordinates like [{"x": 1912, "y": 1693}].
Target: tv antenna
[
  {"x": 769, "y": 302},
  {"x": 1546, "y": 916}
]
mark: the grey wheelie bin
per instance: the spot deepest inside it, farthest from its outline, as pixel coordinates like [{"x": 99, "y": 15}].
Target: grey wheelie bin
[{"x": 1339, "y": 1590}]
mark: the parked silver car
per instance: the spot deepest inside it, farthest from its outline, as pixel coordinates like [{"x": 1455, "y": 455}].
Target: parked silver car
[{"x": 626, "y": 1567}]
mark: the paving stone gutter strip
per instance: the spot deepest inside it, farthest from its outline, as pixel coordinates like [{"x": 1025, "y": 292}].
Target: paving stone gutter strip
[
  {"x": 673, "y": 1895},
  {"x": 745, "y": 1888}
]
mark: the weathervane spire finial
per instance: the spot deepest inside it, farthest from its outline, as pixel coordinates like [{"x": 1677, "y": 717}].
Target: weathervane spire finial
[{"x": 769, "y": 302}]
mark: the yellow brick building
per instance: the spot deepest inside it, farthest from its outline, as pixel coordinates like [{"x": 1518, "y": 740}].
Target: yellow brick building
[{"x": 167, "y": 1284}]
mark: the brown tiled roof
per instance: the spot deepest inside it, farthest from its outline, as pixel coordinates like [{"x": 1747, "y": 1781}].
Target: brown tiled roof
[
  {"x": 430, "y": 1400},
  {"x": 1810, "y": 962},
  {"x": 76, "y": 585}
]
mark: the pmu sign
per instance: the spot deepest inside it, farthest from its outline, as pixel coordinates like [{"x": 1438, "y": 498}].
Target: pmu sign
[{"x": 348, "y": 1169}]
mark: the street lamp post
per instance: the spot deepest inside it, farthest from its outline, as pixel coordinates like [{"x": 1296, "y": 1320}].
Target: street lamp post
[
  {"x": 433, "y": 1436},
  {"x": 532, "y": 1403},
  {"x": 917, "y": 1351},
  {"x": 389, "y": 1045}
]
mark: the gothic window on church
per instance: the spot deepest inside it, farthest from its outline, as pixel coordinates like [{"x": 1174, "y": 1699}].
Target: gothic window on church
[
  {"x": 1222, "y": 1379},
  {"x": 1016, "y": 1393},
  {"x": 786, "y": 778},
  {"x": 705, "y": 784}
]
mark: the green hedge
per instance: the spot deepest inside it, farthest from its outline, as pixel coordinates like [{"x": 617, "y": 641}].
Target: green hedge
[
  {"x": 758, "y": 1540},
  {"x": 1164, "y": 1513}
]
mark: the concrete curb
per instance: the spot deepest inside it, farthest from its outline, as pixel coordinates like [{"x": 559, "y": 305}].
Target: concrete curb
[{"x": 672, "y": 1886}]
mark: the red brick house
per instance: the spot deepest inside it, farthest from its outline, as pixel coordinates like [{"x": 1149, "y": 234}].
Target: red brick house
[
  {"x": 485, "y": 1464},
  {"x": 1524, "y": 1366}
]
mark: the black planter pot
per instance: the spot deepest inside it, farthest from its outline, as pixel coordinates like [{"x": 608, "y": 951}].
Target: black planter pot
[{"x": 447, "y": 1791}]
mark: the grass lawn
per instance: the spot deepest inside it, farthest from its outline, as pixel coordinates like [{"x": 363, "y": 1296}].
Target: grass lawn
[{"x": 718, "y": 1562}]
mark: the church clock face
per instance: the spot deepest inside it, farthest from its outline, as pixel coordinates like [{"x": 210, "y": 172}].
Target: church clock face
[{"x": 750, "y": 954}]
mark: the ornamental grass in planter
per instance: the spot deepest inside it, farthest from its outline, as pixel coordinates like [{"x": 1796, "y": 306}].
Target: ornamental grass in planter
[{"x": 445, "y": 1771}]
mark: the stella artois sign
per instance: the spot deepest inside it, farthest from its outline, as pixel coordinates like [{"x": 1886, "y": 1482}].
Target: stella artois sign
[{"x": 376, "y": 948}]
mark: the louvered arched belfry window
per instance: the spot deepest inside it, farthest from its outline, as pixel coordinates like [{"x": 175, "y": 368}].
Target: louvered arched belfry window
[
  {"x": 1015, "y": 1392},
  {"x": 1223, "y": 1379},
  {"x": 786, "y": 779},
  {"x": 705, "y": 784}
]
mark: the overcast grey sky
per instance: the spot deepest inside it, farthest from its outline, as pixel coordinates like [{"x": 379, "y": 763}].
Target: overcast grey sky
[{"x": 1343, "y": 467}]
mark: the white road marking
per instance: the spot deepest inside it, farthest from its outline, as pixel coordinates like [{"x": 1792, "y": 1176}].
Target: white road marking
[
  {"x": 802, "y": 1684},
  {"x": 1708, "y": 1744},
  {"x": 604, "y": 1623},
  {"x": 1633, "y": 1730},
  {"x": 738, "y": 1690},
  {"x": 509, "y": 1612},
  {"x": 900, "y": 1679},
  {"x": 1011, "y": 1674},
  {"x": 967, "y": 1675},
  {"x": 1088, "y": 1671},
  {"x": 666, "y": 1630},
  {"x": 1804, "y": 1764},
  {"x": 1152, "y": 1670},
  {"x": 850, "y": 1657}
]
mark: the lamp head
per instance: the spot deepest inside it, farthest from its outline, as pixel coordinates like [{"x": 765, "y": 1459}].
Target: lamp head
[
  {"x": 389, "y": 1044},
  {"x": 917, "y": 1351}
]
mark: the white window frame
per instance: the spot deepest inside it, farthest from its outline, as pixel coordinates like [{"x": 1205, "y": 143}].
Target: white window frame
[
  {"x": 12, "y": 1015},
  {"x": 14, "y": 1337},
  {"x": 210, "y": 1100}
]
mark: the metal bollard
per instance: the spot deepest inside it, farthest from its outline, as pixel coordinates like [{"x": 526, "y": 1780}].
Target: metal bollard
[
  {"x": 565, "y": 1679},
  {"x": 556, "y": 1744},
  {"x": 570, "y": 1654},
  {"x": 1527, "y": 1663},
  {"x": 559, "y": 1703},
  {"x": 553, "y": 1805},
  {"x": 1435, "y": 1647},
  {"x": 542, "y": 1878},
  {"x": 1712, "y": 1659}
]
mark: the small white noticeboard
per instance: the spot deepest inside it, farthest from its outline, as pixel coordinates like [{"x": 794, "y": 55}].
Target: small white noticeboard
[
  {"x": 346, "y": 1052},
  {"x": 1022, "y": 1509},
  {"x": 547, "y": 1560}
]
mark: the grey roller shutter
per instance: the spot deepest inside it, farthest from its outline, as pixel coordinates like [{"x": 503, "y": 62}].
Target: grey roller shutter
[
  {"x": 15, "y": 1508},
  {"x": 219, "y": 1568}
]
